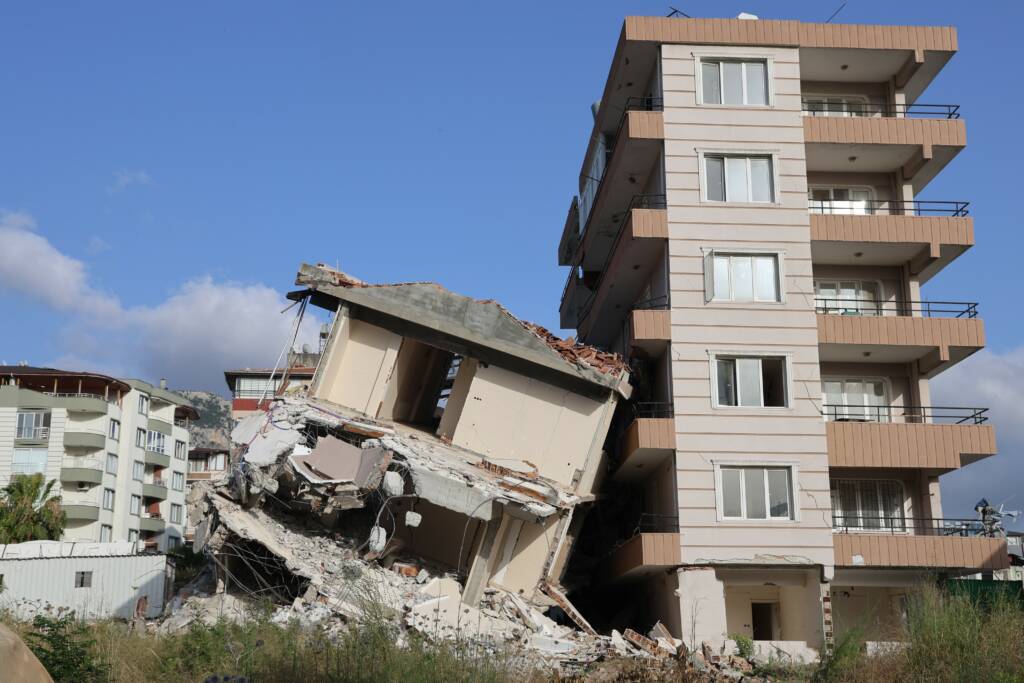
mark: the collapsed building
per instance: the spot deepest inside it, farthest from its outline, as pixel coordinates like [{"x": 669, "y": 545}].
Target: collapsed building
[{"x": 441, "y": 459}]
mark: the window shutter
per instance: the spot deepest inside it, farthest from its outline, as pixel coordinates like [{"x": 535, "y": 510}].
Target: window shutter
[{"x": 709, "y": 275}]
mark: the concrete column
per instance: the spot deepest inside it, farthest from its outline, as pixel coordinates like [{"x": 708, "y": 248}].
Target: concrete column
[
  {"x": 701, "y": 607},
  {"x": 480, "y": 569}
]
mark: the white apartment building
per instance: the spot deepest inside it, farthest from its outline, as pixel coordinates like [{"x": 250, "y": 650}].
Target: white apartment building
[{"x": 118, "y": 450}]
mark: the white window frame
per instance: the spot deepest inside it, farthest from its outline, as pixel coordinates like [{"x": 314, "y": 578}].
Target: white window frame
[
  {"x": 112, "y": 497},
  {"x": 106, "y": 466},
  {"x": 108, "y": 531},
  {"x": 135, "y": 505},
  {"x": 133, "y": 535},
  {"x": 180, "y": 516},
  {"x": 156, "y": 442},
  {"x": 847, "y": 99},
  {"x": 41, "y": 421},
  {"x": 708, "y": 259},
  {"x": 702, "y": 173},
  {"x": 713, "y": 357},
  {"x": 177, "y": 481},
  {"x": 872, "y": 197},
  {"x": 886, "y": 388},
  {"x": 114, "y": 430},
  {"x": 769, "y": 63},
  {"x": 135, "y": 470},
  {"x": 180, "y": 450},
  {"x": 794, "y": 489},
  {"x": 140, "y": 437},
  {"x": 856, "y": 305},
  {"x": 143, "y": 404},
  {"x": 905, "y": 509}
]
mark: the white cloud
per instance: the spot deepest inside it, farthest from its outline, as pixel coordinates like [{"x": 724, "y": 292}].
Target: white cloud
[
  {"x": 125, "y": 178},
  {"x": 201, "y": 329},
  {"x": 995, "y": 381}
]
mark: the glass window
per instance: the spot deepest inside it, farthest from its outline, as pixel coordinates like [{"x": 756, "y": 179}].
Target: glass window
[
  {"x": 751, "y": 381},
  {"x": 178, "y": 481},
  {"x": 842, "y": 201},
  {"x": 734, "y": 81},
  {"x": 83, "y": 579},
  {"x": 757, "y": 492},
  {"x": 29, "y": 460},
  {"x": 745, "y": 277},
  {"x": 739, "y": 178},
  {"x": 179, "y": 450},
  {"x": 138, "y": 470},
  {"x": 106, "y": 533},
  {"x": 115, "y": 430},
  {"x": 143, "y": 404},
  {"x": 218, "y": 462},
  {"x": 33, "y": 424},
  {"x": 715, "y": 167},
  {"x": 133, "y": 535},
  {"x": 175, "y": 513},
  {"x": 140, "y": 437},
  {"x": 135, "y": 505},
  {"x": 847, "y": 297},
  {"x": 856, "y": 400},
  {"x": 108, "y": 499},
  {"x": 173, "y": 542},
  {"x": 255, "y": 387},
  {"x": 156, "y": 442},
  {"x": 711, "y": 82},
  {"x": 867, "y": 505},
  {"x": 111, "y": 464}
]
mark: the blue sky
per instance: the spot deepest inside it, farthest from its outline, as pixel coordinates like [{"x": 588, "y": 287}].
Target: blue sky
[{"x": 178, "y": 153}]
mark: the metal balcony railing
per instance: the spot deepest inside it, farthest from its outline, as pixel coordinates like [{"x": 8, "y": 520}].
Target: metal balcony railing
[
  {"x": 869, "y": 109},
  {"x": 158, "y": 482},
  {"x": 887, "y": 207},
  {"x": 34, "y": 433},
  {"x": 904, "y": 414},
  {"x": 653, "y": 409},
  {"x": 657, "y": 523},
  {"x": 926, "y": 309},
  {"x": 657, "y": 303},
  {"x": 912, "y": 526}
]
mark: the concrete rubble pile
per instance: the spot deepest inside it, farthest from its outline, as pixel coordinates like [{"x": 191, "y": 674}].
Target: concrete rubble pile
[{"x": 320, "y": 575}]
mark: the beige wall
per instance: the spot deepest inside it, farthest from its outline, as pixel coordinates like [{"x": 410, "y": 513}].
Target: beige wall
[
  {"x": 522, "y": 550},
  {"x": 357, "y": 379},
  {"x": 507, "y": 415},
  {"x": 876, "y": 610},
  {"x": 705, "y": 434}
]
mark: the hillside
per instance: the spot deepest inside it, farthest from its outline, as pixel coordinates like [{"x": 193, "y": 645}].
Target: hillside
[{"x": 213, "y": 429}]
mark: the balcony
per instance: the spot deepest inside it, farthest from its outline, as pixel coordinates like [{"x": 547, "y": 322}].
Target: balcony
[
  {"x": 157, "y": 458},
  {"x": 80, "y": 507},
  {"x": 638, "y": 244},
  {"x": 89, "y": 470},
  {"x": 654, "y": 547},
  {"x": 629, "y": 163},
  {"x": 156, "y": 489},
  {"x": 647, "y": 441},
  {"x": 31, "y": 436},
  {"x": 948, "y": 544},
  {"x": 151, "y": 521},
  {"x": 926, "y": 235},
  {"x": 81, "y": 402},
  {"x": 89, "y": 440},
  {"x": 916, "y": 139},
  {"x": 160, "y": 426},
  {"x": 650, "y": 326},
  {"x": 938, "y": 439},
  {"x": 933, "y": 334}
]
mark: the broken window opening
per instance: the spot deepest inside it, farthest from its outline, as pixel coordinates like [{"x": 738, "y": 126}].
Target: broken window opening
[
  {"x": 254, "y": 570},
  {"x": 418, "y": 380}
]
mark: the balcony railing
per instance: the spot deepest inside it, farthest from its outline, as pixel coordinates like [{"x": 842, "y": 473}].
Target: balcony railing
[
  {"x": 653, "y": 409},
  {"x": 34, "y": 433},
  {"x": 911, "y": 526},
  {"x": 657, "y": 303},
  {"x": 887, "y": 207},
  {"x": 927, "y": 309},
  {"x": 905, "y": 414},
  {"x": 158, "y": 482},
  {"x": 74, "y": 394},
  {"x": 650, "y": 523},
  {"x": 869, "y": 109}
]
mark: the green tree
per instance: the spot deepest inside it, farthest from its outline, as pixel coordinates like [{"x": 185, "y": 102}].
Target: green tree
[{"x": 28, "y": 512}]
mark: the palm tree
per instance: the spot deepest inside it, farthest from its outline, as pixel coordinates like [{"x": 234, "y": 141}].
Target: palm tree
[{"x": 28, "y": 512}]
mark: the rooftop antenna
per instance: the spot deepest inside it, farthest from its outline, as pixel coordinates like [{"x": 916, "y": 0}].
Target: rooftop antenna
[
  {"x": 675, "y": 12},
  {"x": 840, "y": 9}
]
